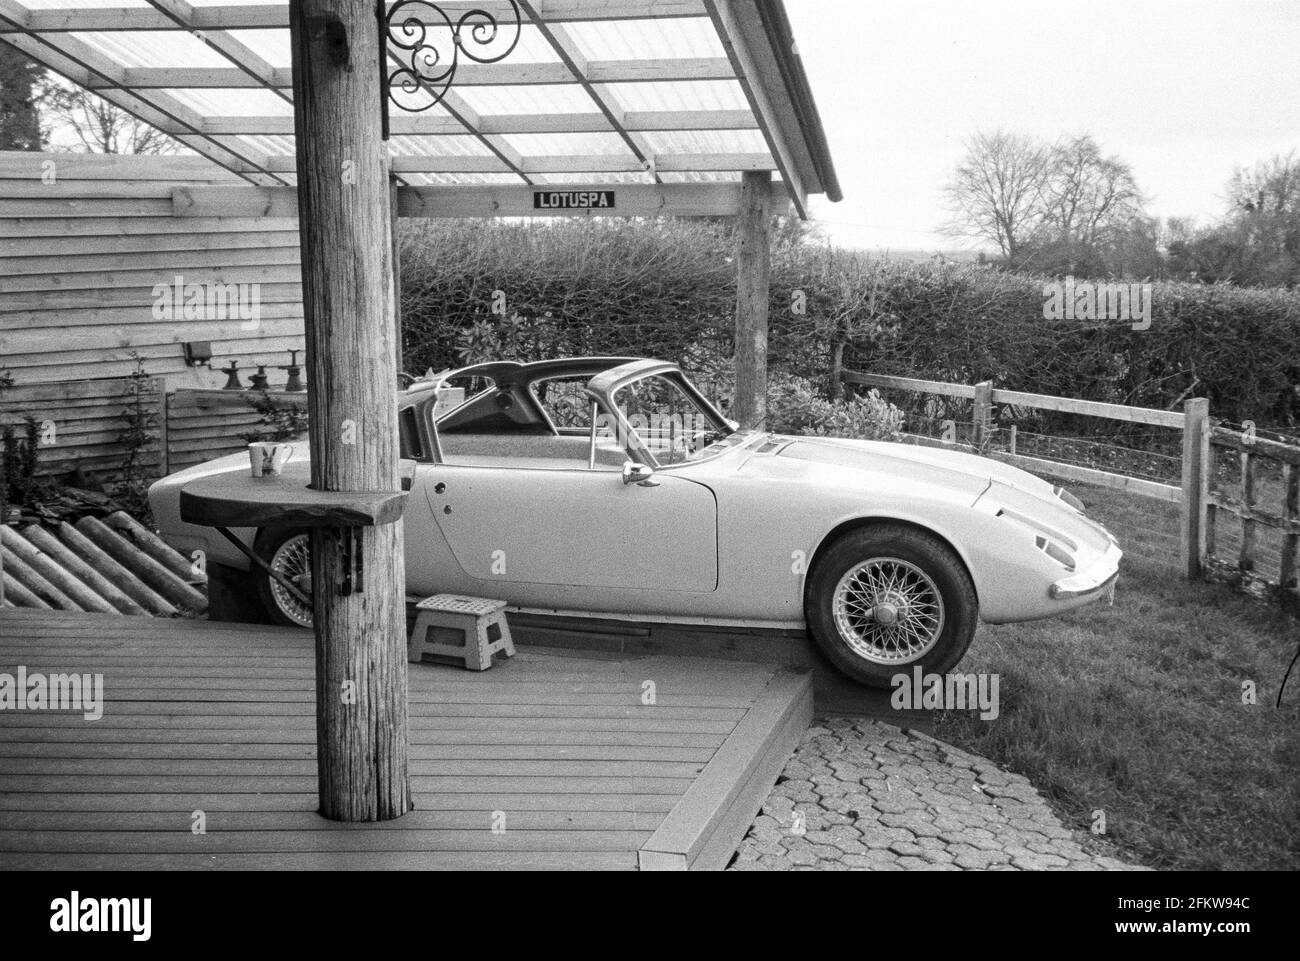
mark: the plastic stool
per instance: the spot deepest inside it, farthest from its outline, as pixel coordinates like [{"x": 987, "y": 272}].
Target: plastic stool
[{"x": 480, "y": 622}]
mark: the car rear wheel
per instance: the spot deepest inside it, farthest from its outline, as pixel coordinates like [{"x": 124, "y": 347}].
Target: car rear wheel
[
  {"x": 884, "y": 599},
  {"x": 288, "y": 553}
]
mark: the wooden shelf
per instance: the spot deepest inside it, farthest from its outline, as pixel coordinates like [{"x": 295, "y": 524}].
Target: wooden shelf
[{"x": 239, "y": 500}]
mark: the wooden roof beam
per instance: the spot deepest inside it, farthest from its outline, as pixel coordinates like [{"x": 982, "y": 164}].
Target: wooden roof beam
[
  {"x": 505, "y": 200},
  {"x": 432, "y": 125},
  {"x": 471, "y": 75},
  {"x": 564, "y": 163},
  {"x": 265, "y": 16}
]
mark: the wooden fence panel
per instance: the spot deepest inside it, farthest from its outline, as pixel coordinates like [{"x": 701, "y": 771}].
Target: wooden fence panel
[{"x": 81, "y": 423}]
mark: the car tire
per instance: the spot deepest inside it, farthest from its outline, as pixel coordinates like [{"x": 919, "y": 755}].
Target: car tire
[
  {"x": 884, "y": 599},
  {"x": 287, "y": 550}
]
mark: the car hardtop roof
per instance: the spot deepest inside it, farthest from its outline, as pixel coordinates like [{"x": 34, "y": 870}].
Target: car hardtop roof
[
  {"x": 608, "y": 381},
  {"x": 508, "y": 373}
]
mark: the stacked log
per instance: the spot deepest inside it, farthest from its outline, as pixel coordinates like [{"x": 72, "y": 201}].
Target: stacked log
[
  {"x": 92, "y": 578},
  {"x": 154, "y": 546},
  {"x": 121, "y": 577},
  {"x": 176, "y": 590},
  {"x": 69, "y": 586},
  {"x": 116, "y": 566}
]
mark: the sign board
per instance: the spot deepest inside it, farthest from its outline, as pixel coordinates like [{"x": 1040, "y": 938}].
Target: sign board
[{"x": 573, "y": 200}]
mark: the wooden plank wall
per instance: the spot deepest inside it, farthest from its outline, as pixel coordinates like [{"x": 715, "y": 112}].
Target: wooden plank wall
[
  {"x": 85, "y": 238},
  {"x": 82, "y": 422},
  {"x": 203, "y": 424}
]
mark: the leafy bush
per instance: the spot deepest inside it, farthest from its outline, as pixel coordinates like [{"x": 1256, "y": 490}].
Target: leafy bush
[
  {"x": 794, "y": 407},
  {"x": 20, "y": 458}
]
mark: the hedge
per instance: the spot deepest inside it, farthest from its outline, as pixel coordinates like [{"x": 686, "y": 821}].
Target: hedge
[{"x": 475, "y": 289}]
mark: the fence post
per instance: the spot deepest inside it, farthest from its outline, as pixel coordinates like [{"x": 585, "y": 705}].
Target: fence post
[
  {"x": 983, "y": 414},
  {"x": 1195, "y": 482}
]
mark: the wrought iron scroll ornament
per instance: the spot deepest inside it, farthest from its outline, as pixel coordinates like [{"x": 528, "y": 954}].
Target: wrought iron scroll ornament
[{"x": 429, "y": 44}]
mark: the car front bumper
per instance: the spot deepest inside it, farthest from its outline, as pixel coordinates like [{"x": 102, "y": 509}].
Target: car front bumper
[{"x": 1097, "y": 579}]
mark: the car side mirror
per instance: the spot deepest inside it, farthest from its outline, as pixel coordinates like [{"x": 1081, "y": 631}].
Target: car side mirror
[{"x": 639, "y": 474}]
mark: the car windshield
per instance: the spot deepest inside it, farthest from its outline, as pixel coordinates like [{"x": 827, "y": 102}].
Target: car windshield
[{"x": 669, "y": 423}]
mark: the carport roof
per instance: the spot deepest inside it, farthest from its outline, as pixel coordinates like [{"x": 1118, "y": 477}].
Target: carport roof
[{"x": 596, "y": 92}]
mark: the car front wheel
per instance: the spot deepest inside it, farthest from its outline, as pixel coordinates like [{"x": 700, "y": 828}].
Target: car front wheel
[
  {"x": 288, "y": 553},
  {"x": 884, "y": 599}
]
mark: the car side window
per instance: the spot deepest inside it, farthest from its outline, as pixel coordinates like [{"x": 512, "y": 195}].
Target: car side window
[{"x": 566, "y": 403}]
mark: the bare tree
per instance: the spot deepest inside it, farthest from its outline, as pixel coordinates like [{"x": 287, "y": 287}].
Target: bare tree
[
  {"x": 997, "y": 191},
  {"x": 81, "y": 118},
  {"x": 1088, "y": 193}
]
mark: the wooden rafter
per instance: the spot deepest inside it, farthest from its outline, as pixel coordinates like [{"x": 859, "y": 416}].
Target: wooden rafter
[
  {"x": 270, "y": 16},
  {"x": 471, "y": 75},
  {"x": 504, "y": 200},
  {"x": 436, "y": 125},
  {"x": 559, "y": 164}
]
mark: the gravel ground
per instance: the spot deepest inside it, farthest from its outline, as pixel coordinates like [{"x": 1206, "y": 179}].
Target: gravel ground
[{"x": 861, "y": 794}]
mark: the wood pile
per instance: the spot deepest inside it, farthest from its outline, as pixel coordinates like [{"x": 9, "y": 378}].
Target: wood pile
[{"x": 109, "y": 566}]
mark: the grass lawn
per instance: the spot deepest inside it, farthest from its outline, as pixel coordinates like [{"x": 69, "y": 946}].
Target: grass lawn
[{"x": 1136, "y": 709}]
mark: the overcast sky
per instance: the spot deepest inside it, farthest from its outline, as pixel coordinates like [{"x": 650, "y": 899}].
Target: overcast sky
[{"x": 1181, "y": 89}]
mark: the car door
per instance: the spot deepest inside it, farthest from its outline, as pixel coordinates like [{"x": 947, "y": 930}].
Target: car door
[{"x": 577, "y": 527}]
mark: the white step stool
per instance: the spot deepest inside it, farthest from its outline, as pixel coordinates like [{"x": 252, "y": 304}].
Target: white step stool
[{"x": 480, "y": 622}]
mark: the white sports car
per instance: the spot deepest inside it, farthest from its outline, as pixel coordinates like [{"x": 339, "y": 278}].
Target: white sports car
[{"x": 611, "y": 487}]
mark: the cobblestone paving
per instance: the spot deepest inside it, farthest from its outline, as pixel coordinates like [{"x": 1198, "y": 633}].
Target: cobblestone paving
[{"x": 860, "y": 794}]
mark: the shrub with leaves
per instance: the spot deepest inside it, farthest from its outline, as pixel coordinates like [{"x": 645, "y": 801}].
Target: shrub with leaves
[{"x": 794, "y": 406}]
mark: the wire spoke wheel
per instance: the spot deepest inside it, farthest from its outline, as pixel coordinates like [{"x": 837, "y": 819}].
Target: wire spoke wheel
[
  {"x": 292, "y": 560},
  {"x": 888, "y": 611}
]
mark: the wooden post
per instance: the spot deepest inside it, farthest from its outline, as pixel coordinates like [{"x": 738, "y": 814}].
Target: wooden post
[
  {"x": 1196, "y": 438},
  {"x": 1290, "y": 525},
  {"x": 397, "y": 275},
  {"x": 1246, "y": 559},
  {"x": 753, "y": 268},
  {"x": 983, "y": 414},
  {"x": 347, "y": 286}
]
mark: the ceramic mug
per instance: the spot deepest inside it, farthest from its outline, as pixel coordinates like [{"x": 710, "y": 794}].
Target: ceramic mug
[{"x": 267, "y": 459}]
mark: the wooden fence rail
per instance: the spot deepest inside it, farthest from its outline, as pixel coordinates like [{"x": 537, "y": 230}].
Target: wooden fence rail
[{"x": 1192, "y": 421}]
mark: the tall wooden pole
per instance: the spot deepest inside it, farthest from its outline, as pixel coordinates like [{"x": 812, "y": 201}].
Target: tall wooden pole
[
  {"x": 397, "y": 275},
  {"x": 347, "y": 286},
  {"x": 753, "y": 268}
]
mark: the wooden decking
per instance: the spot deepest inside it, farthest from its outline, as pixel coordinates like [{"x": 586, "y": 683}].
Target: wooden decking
[{"x": 557, "y": 752}]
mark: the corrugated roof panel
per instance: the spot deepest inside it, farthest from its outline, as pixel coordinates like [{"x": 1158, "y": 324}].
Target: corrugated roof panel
[
  {"x": 647, "y": 39},
  {"x": 568, "y": 144},
  {"x": 74, "y": 4},
  {"x": 271, "y": 45},
  {"x": 154, "y": 48},
  {"x": 542, "y": 98},
  {"x": 706, "y": 141},
  {"x": 629, "y": 177},
  {"x": 448, "y": 146},
  {"x": 219, "y": 102},
  {"x": 682, "y": 95}
]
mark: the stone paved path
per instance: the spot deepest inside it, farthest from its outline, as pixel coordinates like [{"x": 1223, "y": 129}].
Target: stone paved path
[{"x": 861, "y": 794}]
